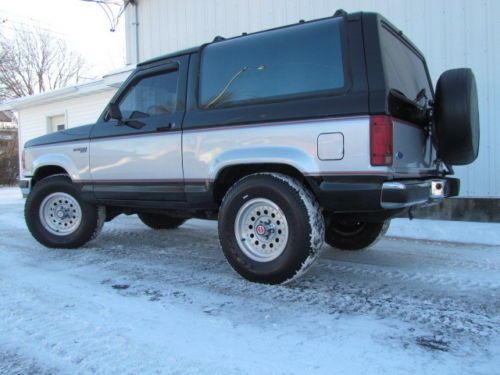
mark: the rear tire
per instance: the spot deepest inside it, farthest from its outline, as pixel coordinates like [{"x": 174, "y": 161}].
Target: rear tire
[
  {"x": 156, "y": 221},
  {"x": 270, "y": 227},
  {"x": 58, "y": 217},
  {"x": 354, "y": 235}
]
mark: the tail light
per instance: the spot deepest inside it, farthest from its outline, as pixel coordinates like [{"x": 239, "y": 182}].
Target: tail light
[{"x": 381, "y": 143}]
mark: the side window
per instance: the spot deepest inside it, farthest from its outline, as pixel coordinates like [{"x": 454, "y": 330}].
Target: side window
[
  {"x": 284, "y": 63},
  {"x": 151, "y": 95}
]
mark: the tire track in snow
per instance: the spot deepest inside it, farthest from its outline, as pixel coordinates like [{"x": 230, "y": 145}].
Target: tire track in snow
[{"x": 173, "y": 266}]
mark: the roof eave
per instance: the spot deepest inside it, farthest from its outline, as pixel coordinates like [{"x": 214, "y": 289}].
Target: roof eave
[{"x": 108, "y": 82}]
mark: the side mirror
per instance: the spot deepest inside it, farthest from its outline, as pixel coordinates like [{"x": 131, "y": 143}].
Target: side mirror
[{"x": 114, "y": 112}]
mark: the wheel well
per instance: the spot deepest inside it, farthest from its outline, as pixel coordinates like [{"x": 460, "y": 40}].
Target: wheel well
[
  {"x": 229, "y": 175},
  {"x": 46, "y": 171}
]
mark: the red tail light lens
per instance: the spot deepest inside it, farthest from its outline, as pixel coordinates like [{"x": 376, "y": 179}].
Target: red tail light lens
[{"x": 381, "y": 143}]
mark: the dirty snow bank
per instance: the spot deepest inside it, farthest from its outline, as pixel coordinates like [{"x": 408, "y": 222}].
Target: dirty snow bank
[{"x": 447, "y": 231}]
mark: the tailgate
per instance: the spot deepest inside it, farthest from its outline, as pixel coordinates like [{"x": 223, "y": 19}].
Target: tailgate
[{"x": 413, "y": 150}]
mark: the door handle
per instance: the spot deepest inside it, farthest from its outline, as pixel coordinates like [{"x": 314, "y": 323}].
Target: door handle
[{"x": 169, "y": 126}]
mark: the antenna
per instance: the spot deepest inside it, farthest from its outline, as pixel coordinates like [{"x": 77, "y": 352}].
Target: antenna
[{"x": 113, "y": 10}]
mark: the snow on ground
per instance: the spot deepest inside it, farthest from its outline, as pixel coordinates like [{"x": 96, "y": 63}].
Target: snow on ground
[
  {"x": 447, "y": 231},
  {"x": 137, "y": 301}
]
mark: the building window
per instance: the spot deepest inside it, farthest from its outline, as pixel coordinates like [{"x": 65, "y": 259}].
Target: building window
[{"x": 56, "y": 123}]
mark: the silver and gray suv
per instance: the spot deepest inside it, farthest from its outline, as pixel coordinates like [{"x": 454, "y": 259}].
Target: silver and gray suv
[{"x": 321, "y": 130}]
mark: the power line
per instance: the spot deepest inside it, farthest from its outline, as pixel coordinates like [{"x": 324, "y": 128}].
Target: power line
[
  {"x": 18, "y": 18},
  {"x": 7, "y": 22},
  {"x": 106, "y": 6}
]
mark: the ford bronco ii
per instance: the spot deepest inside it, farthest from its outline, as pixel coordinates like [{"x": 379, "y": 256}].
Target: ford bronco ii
[{"x": 318, "y": 131}]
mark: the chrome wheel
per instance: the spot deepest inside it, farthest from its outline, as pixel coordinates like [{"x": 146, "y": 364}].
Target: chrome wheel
[
  {"x": 60, "y": 214},
  {"x": 261, "y": 230}
]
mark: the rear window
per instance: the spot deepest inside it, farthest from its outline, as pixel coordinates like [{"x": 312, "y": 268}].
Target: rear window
[
  {"x": 405, "y": 69},
  {"x": 294, "y": 61}
]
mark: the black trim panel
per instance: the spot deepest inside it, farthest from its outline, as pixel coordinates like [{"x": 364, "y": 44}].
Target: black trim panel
[
  {"x": 347, "y": 194},
  {"x": 350, "y": 193},
  {"x": 158, "y": 205},
  {"x": 146, "y": 190},
  {"x": 364, "y": 193}
]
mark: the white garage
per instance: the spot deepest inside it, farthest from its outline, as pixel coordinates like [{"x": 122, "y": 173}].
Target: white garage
[{"x": 451, "y": 34}]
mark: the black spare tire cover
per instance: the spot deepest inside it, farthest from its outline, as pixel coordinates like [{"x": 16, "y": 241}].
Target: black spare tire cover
[{"x": 456, "y": 117}]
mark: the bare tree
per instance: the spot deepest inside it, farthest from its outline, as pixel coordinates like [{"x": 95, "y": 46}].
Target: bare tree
[
  {"x": 9, "y": 163},
  {"x": 33, "y": 60}
]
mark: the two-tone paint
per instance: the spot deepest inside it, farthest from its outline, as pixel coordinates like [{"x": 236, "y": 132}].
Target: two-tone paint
[
  {"x": 181, "y": 157},
  {"x": 167, "y": 165}
]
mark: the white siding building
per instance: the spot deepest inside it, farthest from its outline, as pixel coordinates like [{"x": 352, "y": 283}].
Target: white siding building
[
  {"x": 451, "y": 34},
  {"x": 64, "y": 108}
]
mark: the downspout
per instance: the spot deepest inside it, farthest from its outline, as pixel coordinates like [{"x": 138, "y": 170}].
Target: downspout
[
  {"x": 136, "y": 24},
  {"x": 20, "y": 144},
  {"x": 132, "y": 32}
]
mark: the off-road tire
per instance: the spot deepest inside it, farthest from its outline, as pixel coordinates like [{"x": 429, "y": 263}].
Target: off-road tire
[
  {"x": 342, "y": 237},
  {"x": 156, "y": 221},
  {"x": 92, "y": 217},
  {"x": 305, "y": 227},
  {"x": 456, "y": 117}
]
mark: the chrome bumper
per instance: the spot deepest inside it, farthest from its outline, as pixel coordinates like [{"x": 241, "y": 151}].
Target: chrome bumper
[{"x": 401, "y": 194}]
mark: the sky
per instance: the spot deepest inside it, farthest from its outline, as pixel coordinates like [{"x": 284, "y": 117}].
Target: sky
[{"x": 82, "y": 24}]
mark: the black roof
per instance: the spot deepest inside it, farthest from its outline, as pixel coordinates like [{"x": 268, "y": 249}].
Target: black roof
[
  {"x": 186, "y": 51},
  {"x": 338, "y": 13}
]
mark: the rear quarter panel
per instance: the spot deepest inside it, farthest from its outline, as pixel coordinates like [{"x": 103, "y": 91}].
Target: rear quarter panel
[{"x": 207, "y": 151}]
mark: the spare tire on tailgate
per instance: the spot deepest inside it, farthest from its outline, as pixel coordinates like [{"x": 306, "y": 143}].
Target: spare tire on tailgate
[{"x": 456, "y": 115}]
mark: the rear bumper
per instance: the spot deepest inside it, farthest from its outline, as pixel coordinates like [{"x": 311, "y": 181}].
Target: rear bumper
[
  {"x": 402, "y": 194},
  {"x": 355, "y": 195}
]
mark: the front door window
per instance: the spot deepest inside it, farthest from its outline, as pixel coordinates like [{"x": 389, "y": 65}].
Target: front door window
[{"x": 151, "y": 96}]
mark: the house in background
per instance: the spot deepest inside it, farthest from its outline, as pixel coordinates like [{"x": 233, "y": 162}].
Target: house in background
[
  {"x": 6, "y": 121},
  {"x": 64, "y": 108},
  {"x": 450, "y": 34},
  {"x": 8, "y": 149}
]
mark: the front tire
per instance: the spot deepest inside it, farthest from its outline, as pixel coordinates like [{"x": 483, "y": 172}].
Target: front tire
[
  {"x": 353, "y": 234},
  {"x": 270, "y": 227},
  {"x": 156, "y": 221},
  {"x": 58, "y": 217}
]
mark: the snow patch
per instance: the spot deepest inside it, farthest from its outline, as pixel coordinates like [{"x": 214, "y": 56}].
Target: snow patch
[
  {"x": 403, "y": 307},
  {"x": 446, "y": 231},
  {"x": 9, "y": 195}
]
